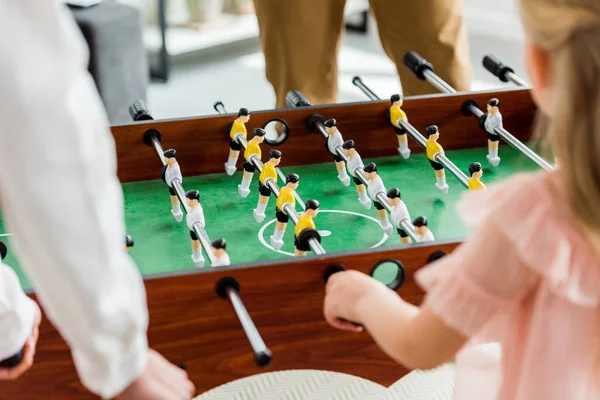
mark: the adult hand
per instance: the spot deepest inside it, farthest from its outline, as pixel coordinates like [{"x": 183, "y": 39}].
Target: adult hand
[
  {"x": 160, "y": 380},
  {"x": 29, "y": 350},
  {"x": 344, "y": 291}
]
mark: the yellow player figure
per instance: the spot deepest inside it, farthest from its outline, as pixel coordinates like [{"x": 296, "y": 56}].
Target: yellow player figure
[
  {"x": 219, "y": 249},
  {"x": 333, "y": 141},
  {"x": 238, "y": 127},
  {"x": 268, "y": 172},
  {"x": 128, "y": 243},
  {"x": 305, "y": 229},
  {"x": 195, "y": 216},
  {"x": 493, "y": 120},
  {"x": 286, "y": 196},
  {"x": 354, "y": 164},
  {"x": 396, "y": 116},
  {"x": 421, "y": 228},
  {"x": 252, "y": 151},
  {"x": 476, "y": 172},
  {"x": 432, "y": 149},
  {"x": 171, "y": 172}
]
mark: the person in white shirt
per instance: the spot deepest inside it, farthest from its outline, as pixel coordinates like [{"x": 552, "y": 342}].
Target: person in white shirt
[
  {"x": 354, "y": 164},
  {"x": 195, "y": 216},
  {"x": 64, "y": 205},
  {"x": 425, "y": 234},
  {"x": 493, "y": 120},
  {"x": 170, "y": 172},
  {"x": 219, "y": 248},
  {"x": 399, "y": 213},
  {"x": 333, "y": 141},
  {"x": 376, "y": 187}
]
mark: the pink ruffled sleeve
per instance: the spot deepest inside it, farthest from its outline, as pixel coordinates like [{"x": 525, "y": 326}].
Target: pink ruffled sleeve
[{"x": 486, "y": 274}]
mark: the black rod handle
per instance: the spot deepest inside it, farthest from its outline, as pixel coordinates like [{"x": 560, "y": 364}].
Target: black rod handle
[
  {"x": 16, "y": 359},
  {"x": 228, "y": 288},
  {"x": 366, "y": 90},
  {"x": 139, "y": 111},
  {"x": 13, "y": 361},
  {"x": 3, "y": 250},
  {"x": 220, "y": 107},
  {"x": 295, "y": 98},
  {"x": 417, "y": 64},
  {"x": 497, "y": 67}
]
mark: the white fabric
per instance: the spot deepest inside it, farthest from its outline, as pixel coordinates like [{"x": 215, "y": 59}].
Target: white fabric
[
  {"x": 195, "y": 215},
  {"x": 173, "y": 172},
  {"x": 354, "y": 163},
  {"x": 17, "y": 313},
  {"x": 376, "y": 186},
  {"x": 399, "y": 213},
  {"x": 334, "y": 141},
  {"x": 492, "y": 123},
  {"x": 427, "y": 237},
  {"x": 61, "y": 197},
  {"x": 222, "y": 261}
]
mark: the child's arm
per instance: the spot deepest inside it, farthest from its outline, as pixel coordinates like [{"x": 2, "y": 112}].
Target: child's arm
[{"x": 414, "y": 337}]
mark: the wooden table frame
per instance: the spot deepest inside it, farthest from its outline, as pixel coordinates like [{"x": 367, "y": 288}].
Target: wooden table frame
[{"x": 189, "y": 323}]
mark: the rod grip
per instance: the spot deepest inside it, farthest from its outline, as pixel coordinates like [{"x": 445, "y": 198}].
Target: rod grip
[
  {"x": 357, "y": 81},
  {"x": 417, "y": 64},
  {"x": 497, "y": 67},
  {"x": 295, "y": 98},
  {"x": 3, "y": 250},
  {"x": 13, "y": 361},
  {"x": 139, "y": 111}
]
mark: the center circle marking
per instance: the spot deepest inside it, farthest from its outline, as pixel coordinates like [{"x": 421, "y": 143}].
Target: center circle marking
[{"x": 261, "y": 236}]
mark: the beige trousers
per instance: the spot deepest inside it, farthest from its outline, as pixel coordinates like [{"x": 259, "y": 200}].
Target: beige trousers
[{"x": 301, "y": 38}]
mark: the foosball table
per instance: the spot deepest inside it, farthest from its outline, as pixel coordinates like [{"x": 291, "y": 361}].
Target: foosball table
[{"x": 212, "y": 247}]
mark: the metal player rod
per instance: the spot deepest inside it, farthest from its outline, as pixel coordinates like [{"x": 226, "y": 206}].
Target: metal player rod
[
  {"x": 359, "y": 83},
  {"x": 315, "y": 246},
  {"x": 294, "y": 99},
  {"x": 502, "y": 71},
  {"x": 419, "y": 138},
  {"x": 424, "y": 71},
  {"x": 220, "y": 108},
  {"x": 138, "y": 107},
  {"x": 228, "y": 288}
]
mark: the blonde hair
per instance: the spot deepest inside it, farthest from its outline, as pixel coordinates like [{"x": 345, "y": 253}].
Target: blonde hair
[{"x": 569, "y": 30}]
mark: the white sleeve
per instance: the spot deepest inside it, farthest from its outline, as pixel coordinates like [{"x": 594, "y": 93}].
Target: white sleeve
[
  {"x": 61, "y": 197},
  {"x": 17, "y": 313}
]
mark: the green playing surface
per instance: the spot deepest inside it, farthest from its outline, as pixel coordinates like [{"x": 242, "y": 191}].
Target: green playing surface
[{"x": 163, "y": 245}]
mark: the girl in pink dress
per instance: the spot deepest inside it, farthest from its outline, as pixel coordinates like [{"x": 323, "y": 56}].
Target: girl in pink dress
[{"x": 528, "y": 279}]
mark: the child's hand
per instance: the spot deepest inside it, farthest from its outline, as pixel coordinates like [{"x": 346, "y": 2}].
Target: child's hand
[{"x": 343, "y": 292}]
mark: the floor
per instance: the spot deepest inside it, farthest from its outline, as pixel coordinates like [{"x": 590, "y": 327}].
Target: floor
[{"x": 198, "y": 82}]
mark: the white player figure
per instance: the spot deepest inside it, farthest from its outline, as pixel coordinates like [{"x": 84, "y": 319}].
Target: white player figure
[
  {"x": 170, "y": 172},
  {"x": 335, "y": 140},
  {"x": 399, "y": 213},
  {"x": 425, "y": 234},
  {"x": 354, "y": 164},
  {"x": 376, "y": 187},
  {"x": 493, "y": 120},
  {"x": 219, "y": 249},
  {"x": 195, "y": 216}
]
